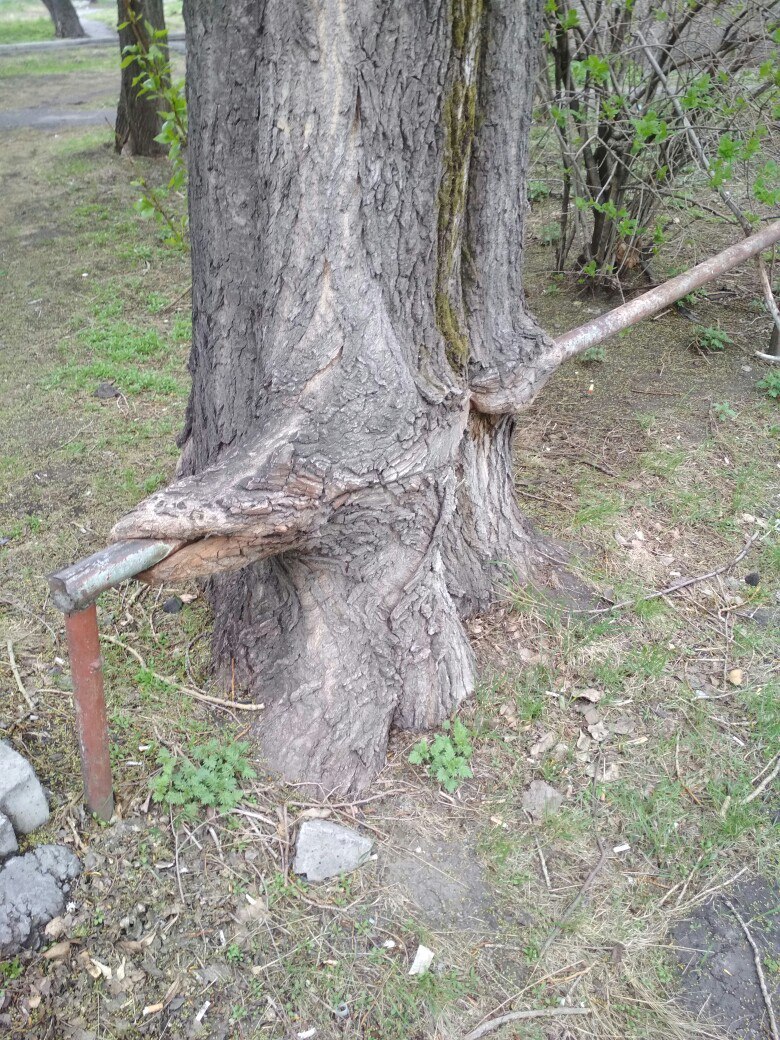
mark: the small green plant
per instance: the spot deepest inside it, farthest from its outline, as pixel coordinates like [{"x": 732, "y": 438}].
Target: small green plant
[
  {"x": 770, "y": 384},
  {"x": 234, "y": 954},
  {"x": 723, "y": 411},
  {"x": 538, "y": 190},
  {"x": 10, "y": 970},
  {"x": 447, "y": 757},
  {"x": 209, "y": 779},
  {"x": 711, "y": 339},
  {"x": 594, "y": 355},
  {"x": 154, "y": 80},
  {"x": 549, "y": 233}
]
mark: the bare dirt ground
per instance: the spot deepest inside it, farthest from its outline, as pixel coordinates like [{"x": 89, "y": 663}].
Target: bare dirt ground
[{"x": 655, "y": 463}]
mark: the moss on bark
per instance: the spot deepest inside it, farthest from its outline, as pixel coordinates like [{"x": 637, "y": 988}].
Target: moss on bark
[{"x": 459, "y": 115}]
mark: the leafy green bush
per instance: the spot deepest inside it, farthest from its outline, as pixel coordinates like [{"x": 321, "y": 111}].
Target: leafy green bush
[
  {"x": 447, "y": 757},
  {"x": 771, "y": 384},
  {"x": 711, "y": 339},
  {"x": 594, "y": 355},
  {"x": 620, "y": 110},
  {"x": 209, "y": 780},
  {"x": 724, "y": 411}
]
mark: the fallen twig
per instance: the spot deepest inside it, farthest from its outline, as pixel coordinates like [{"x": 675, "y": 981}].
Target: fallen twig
[
  {"x": 768, "y": 357},
  {"x": 515, "y": 1016},
  {"x": 684, "y": 584},
  {"x": 764, "y": 784},
  {"x": 759, "y": 969},
  {"x": 17, "y": 676},
  {"x": 575, "y": 902},
  {"x": 196, "y": 694}
]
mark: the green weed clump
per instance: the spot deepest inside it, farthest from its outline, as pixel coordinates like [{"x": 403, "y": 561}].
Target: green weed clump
[
  {"x": 711, "y": 339},
  {"x": 770, "y": 384},
  {"x": 447, "y": 757},
  {"x": 209, "y": 780}
]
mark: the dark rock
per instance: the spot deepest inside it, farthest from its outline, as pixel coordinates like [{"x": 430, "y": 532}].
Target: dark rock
[
  {"x": 106, "y": 390},
  {"x": 172, "y": 605},
  {"x": 754, "y": 579},
  {"x": 32, "y": 892}
]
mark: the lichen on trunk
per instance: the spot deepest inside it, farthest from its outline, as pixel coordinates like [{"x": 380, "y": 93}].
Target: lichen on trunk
[{"x": 459, "y": 117}]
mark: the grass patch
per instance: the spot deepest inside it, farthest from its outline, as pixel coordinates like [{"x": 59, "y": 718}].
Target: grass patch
[
  {"x": 30, "y": 30},
  {"x": 84, "y": 59}
]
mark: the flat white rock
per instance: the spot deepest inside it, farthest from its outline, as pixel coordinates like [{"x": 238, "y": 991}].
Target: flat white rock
[{"x": 326, "y": 849}]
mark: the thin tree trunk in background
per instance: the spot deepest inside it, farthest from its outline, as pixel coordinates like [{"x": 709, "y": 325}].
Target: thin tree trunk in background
[
  {"x": 360, "y": 345},
  {"x": 66, "y": 22},
  {"x": 137, "y": 120}
]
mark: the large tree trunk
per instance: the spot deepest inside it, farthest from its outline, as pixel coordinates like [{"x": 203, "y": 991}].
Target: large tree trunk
[
  {"x": 138, "y": 120},
  {"x": 360, "y": 342},
  {"x": 66, "y": 22}
]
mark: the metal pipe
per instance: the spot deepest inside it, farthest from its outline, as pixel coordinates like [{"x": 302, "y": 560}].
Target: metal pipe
[
  {"x": 74, "y": 587},
  {"x": 89, "y": 699},
  {"x": 663, "y": 296}
]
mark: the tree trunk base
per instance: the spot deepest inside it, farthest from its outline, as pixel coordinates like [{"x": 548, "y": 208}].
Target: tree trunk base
[
  {"x": 344, "y": 644},
  {"x": 367, "y": 634}
]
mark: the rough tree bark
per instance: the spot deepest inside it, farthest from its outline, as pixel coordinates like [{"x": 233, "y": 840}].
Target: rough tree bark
[
  {"x": 137, "y": 118},
  {"x": 66, "y": 22},
  {"x": 360, "y": 345}
]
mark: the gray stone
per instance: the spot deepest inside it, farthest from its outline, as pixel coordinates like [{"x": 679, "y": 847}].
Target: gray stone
[
  {"x": 541, "y": 800},
  {"x": 327, "y": 849},
  {"x": 32, "y": 892},
  {"x": 21, "y": 795},
  {"x": 8, "y": 843}
]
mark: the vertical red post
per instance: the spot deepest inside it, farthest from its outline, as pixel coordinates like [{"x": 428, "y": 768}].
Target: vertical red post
[{"x": 89, "y": 698}]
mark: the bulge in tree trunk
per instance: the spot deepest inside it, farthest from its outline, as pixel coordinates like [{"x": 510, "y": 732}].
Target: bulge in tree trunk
[
  {"x": 66, "y": 22},
  {"x": 138, "y": 119},
  {"x": 360, "y": 345}
]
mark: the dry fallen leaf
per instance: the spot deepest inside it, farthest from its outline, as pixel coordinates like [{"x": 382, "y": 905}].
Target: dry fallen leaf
[
  {"x": 85, "y": 961},
  {"x": 58, "y": 951},
  {"x": 594, "y": 696},
  {"x": 136, "y": 945},
  {"x": 55, "y": 928},
  {"x": 314, "y": 814},
  {"x": 598, "y": 731},
  {"x": 545, "y": 742},
  {"x": 103, "y": 969}
]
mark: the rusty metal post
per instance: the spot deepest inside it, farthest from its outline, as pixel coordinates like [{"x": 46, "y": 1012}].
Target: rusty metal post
[{"x": 89, "y": 698}]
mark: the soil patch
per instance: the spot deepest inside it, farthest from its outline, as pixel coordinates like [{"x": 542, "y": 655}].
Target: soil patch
[{"x": 719, "y": 979}]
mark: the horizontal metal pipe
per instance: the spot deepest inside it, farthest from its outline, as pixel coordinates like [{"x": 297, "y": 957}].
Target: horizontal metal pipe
[
  {"x": 663, "y": 296},
  {"x": 75, "y": 587}
]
